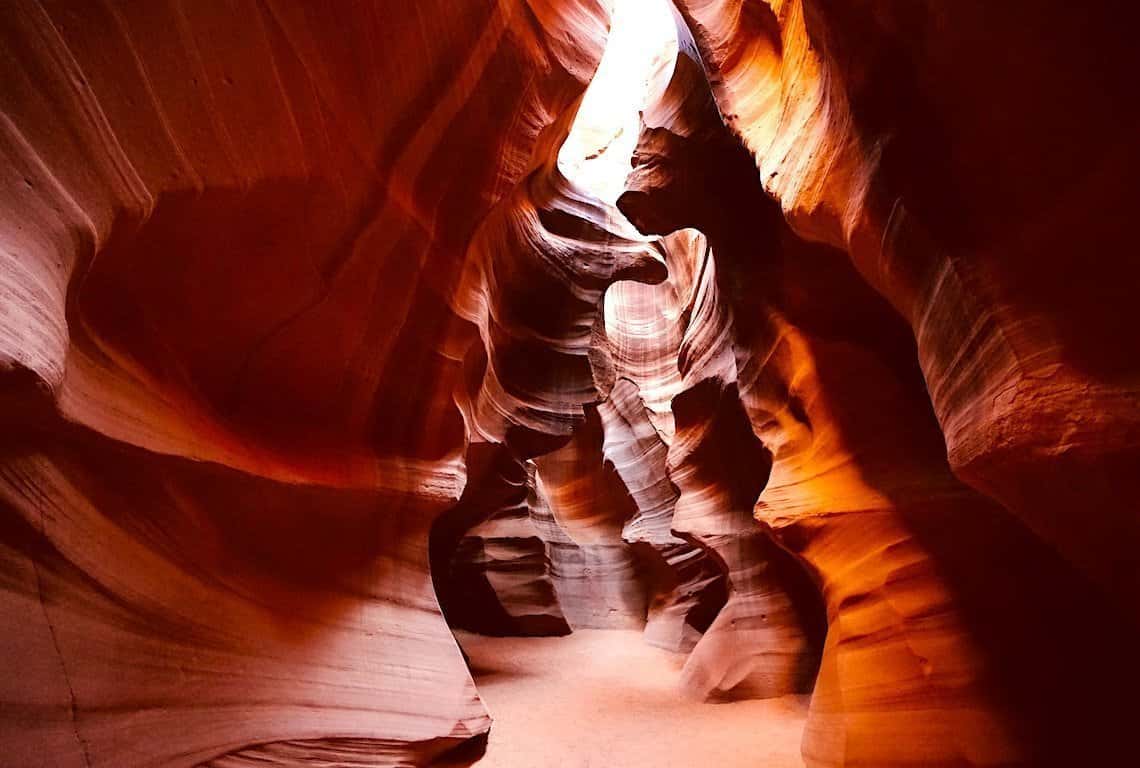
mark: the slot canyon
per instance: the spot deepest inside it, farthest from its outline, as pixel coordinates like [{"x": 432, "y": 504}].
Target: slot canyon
[{"x": 569, "y": 384}]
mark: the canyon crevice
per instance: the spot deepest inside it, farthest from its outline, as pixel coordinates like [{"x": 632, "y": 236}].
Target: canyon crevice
[{"x": 353, "y": 354}]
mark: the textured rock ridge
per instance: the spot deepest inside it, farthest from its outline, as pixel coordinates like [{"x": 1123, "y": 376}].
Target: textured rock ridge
[
  {"x": 490, "y": 562},
  {"x": 914, "y": 670},
  {"x": 710, "y": 468},
  {"x": 327, "y": 330},
  {"x": 977, "y": 224},
  {"x": 175, "y": 611},
  {"x": 230, "y": 244}
]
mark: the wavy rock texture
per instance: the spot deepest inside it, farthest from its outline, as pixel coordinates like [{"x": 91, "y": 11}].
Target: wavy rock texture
[
  {"x": 695, "y": 481},
  {"x": 915, "y": 669},
  {"x": 602, "y": 583},
  {"x": 310, "y": 337},
  {"x": 177, "y": 611},
  {"x": 996, "y": 230},
  {"x": 490, "y": 563},
  {"x": 231, "y": 239},
  {"x": 687, "y": 587},
  {"x": 618, "y": 481},
  {"x": 538, "y": 268}
]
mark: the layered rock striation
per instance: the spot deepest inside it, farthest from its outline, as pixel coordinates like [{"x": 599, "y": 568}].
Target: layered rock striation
[
  {"x": 231, "y": 242},
  {"x": 916, "y": 667},
  {"x": 323, "y": 329},
  {"x": 972, "y": 165}
]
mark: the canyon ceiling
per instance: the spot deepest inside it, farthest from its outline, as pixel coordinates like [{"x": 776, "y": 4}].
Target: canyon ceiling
[{"x": 329, "y": 328}]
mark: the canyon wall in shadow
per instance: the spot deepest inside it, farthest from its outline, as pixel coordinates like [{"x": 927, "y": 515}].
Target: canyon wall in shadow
[{"x": 310, "y": 347}]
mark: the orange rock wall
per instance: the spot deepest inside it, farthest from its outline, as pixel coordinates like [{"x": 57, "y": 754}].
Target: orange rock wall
[
  {"x": 304, "y": 335},
  {"x": 231, "y": 240},
  {"x": 918, "y": 667}
]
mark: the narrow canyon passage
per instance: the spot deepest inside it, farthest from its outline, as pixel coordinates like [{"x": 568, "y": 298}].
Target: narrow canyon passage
[
  {"x": 628, "y": 631},
  {"x": 604, "y": 697},
  {"x": 567, "y": 383}
]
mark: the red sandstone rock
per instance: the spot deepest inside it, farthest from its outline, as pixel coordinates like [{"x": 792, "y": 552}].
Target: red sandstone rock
[
  {"x": 231, "y": 234},
  {"x": 758, "y": 645},
  {"x": 490, "y": 563},
  {"x": 859, "y": 486},
  {"x": 304, "y": 324},
  {"x": 688, "y": 587},
  {"x": 995, "y": 230}
]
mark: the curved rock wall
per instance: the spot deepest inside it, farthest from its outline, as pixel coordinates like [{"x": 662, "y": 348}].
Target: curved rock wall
[
  {"x": 916, "y": 667},
  {"x": 231, "y": 235},
  {"x": 974, "y": 163},
  {"x": 489, "y": 560},
  {"x": 695, "y": 471},
  {"x": 301, "y": 317}
]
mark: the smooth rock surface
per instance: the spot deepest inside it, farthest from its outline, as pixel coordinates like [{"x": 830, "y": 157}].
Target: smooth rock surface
[{"x": 321, "y": 328}]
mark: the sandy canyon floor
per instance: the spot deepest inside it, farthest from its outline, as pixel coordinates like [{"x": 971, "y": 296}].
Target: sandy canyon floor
[{"x": 606, "y": 699}]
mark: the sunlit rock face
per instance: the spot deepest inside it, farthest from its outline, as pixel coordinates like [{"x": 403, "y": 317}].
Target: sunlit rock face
[
  {"x": 674, "y": 340},
  {"x": 232, "y": 237},
  {"x": 915, "y": 669},
  {"x": 974, "y": 162},
  {"x": 638, "y": 60},
  {"x": 793, "y": 334}
]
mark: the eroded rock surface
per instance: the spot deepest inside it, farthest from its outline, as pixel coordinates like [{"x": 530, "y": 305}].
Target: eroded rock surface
[
  {"x": 980, "y": 224},
  {"x": 860, "y": 487},
  {"x": 323, "y": 328},
  {"x": 232, "y": 235}
]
